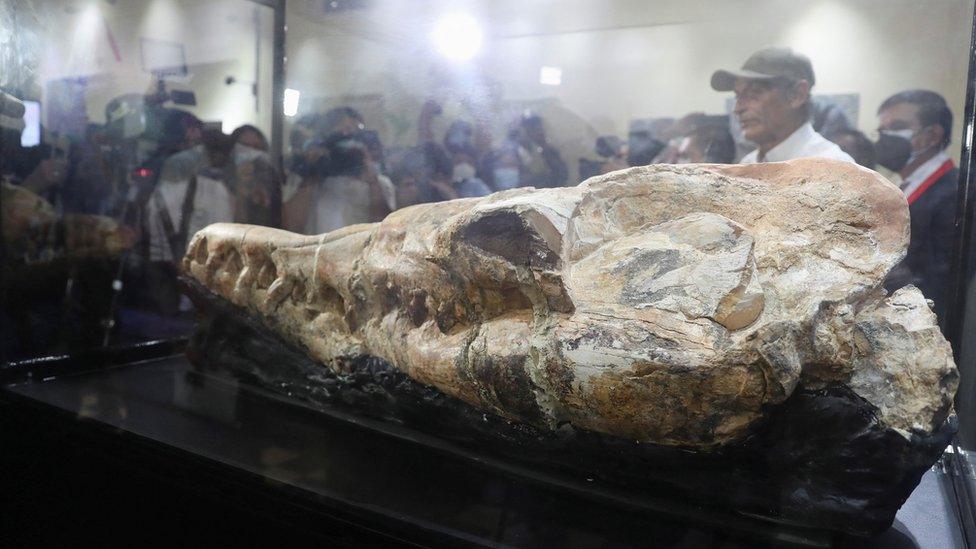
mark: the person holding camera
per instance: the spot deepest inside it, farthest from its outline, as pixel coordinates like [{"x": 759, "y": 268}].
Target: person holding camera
[
  {"x": 454, "y": 167},
  {"x": 256, "y": 183},
  {"x": 342, "y": 187},
  {"x": 539, "y": 164},
  {"x": 194, "y": 189}
]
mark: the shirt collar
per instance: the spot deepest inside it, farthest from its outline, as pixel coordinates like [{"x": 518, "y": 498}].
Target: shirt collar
[
  {"x": 790, "y": 147},
  {"x": 921, "y": 173}
]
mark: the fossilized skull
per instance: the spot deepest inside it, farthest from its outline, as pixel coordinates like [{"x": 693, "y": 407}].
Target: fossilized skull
[{"x": 668, "y": 304}]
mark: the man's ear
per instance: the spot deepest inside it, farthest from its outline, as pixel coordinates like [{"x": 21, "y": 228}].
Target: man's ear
[
  {"x": 801, "y": 93},
  {"x": 933, "y": 135}
]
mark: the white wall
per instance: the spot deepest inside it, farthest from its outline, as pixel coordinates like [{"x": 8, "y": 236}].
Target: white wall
[{"x": 218, "y": 37}]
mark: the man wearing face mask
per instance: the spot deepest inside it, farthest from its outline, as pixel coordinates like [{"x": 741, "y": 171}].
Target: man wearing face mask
[
  {"x": 459, "y": 144},
  {"x": 914, "y": 128},
  {"x": 772, "y": 105}
]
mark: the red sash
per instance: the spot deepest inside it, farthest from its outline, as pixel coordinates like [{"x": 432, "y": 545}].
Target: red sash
[{"x": 930, "y": 180}]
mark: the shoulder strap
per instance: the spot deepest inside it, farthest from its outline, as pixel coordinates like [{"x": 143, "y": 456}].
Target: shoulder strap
[
  {"x": 177, "y": 239},
  {"x": 188, "y": 202}
]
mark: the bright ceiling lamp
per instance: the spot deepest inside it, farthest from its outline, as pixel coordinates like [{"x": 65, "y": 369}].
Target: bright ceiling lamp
[
  {"x": 291, "y": 101},
  {"x": 457, "y": 37}
]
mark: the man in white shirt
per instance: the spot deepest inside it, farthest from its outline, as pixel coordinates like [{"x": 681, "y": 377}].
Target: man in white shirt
[{"x": 772, "y": 105}]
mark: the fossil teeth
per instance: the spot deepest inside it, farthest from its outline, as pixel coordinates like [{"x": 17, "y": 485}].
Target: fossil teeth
[
  {"x": 214, "y": 262},
  {"x": 245, "y": 281},
  {"x": 267, "y": 274},
  {"x": 278, "y": 291}
]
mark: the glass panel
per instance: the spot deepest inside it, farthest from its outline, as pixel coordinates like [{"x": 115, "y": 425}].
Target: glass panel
[
  {"x": 128, "y": 126},
  {"x": 473, "y": 97},
  {"x": 128, "y": 105},
  {"x": 422, "y": 103}
]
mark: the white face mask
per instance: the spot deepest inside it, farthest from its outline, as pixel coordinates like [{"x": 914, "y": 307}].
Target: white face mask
[
  {"x": 506, "y": 178},
  {"x": 463, "y": 172},
  {"x": 682, "y": 156}
]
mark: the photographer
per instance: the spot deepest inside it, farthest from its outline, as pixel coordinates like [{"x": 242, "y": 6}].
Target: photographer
[
  {"x": 341, "y": 187},
  {"x": 256, "y": 184},
  {"x": 194, "y": 190},
  {"x": 526, "y": 158},
  {"x": 540, "y": 163},
  {"x": 639, "y": 150},
  {"x": 460, "y": 178},
  {"x": 699, "y": 138},
  {"x": 614, "y": 153},
  {"x": 40, "y": 169}
]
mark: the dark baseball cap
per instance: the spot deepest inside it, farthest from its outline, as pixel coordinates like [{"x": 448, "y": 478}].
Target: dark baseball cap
[{"x": 767, "y": 64}]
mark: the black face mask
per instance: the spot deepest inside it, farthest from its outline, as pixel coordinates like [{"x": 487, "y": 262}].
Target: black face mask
[{"x": 893, "y": 151}]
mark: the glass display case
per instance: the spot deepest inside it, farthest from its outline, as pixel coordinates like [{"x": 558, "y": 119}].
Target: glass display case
[{"x": 130, "y": 127}]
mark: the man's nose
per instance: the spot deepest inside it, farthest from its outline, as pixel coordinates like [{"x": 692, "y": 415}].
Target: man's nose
[{"x": 738, "y": 107}]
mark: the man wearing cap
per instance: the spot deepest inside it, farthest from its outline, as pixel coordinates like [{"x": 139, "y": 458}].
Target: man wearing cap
[{"x": 772, "y": 104}]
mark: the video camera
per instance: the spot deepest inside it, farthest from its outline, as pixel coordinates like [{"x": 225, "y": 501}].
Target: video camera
[{"x": 131, "y": 115}]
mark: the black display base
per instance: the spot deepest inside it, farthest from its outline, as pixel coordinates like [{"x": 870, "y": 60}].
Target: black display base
[{"x": 822, "y": 460}]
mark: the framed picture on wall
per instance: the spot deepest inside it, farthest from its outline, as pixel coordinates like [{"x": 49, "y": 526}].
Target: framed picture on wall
[{"x": 163, "y": 58}]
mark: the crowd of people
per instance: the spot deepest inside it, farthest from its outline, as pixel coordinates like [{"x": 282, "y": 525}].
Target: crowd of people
[{"x": 337, "y": 172}]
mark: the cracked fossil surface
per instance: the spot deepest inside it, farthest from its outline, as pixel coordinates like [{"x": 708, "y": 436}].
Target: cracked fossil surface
[{"x": 674, "y": 305}]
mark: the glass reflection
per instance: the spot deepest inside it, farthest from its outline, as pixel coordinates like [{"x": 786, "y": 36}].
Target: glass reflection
[{"x": 144, "y": 121}]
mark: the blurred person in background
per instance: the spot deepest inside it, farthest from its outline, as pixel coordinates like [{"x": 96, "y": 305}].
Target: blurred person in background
[
  {"x": 505, "y": 167},
  {"x": 350, "y": 191},
  {"x": 449, "y": 181},
  {"x": 59, "y": 253},
  {"x": 425, "y": 174},
  {"x": 250, "y": 136},
  {"x": 856, "y": 144},
  {"x": 915, "y": 128},
  {"x": 540, "y": 164},
  {"x": 194, "y": 189},
  {"x": 526, "y": 158},
  {"x": 173, "y": 131},
  {"x": 827, "y": 117},
  {"x": 91, "y": 187},
  {"x": 459, "y": 142},
  {"x": 464, "y": 151},
  {"x": 700, "y": 138},
  {"x": 41, "y": 169},
  {"x": 314, "y": 139},
  {"x": 377, "y": 166},
  {"x": 257, "y": 187},
  {"x": 340, "y": 120},
  {"x": 308, "y": 165},
  {"x": 642, "y": 148},
  {"x": 613, "y": 153},
  {"x": 179, "y": 131},
  {"x": 418, "y": 172},
  {"x": 773, "y": 106},
  {"x": 708, "y": 144}
]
